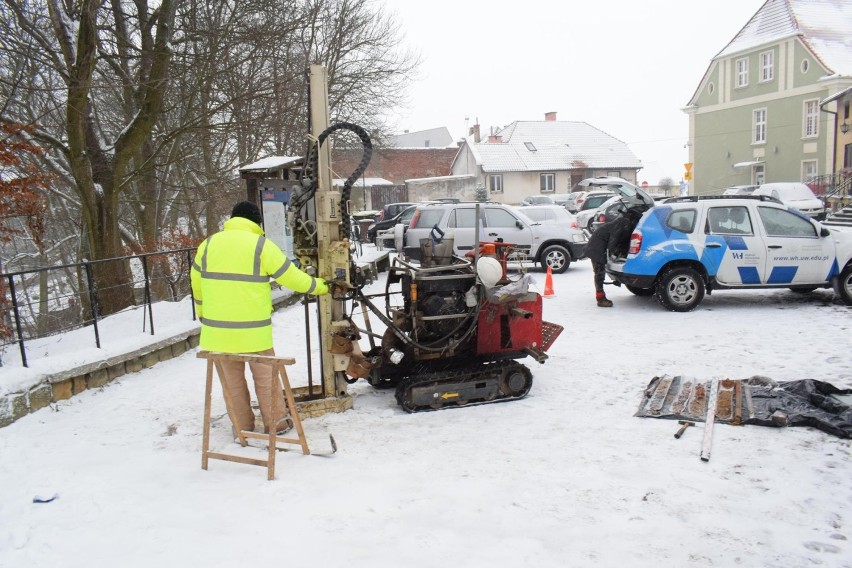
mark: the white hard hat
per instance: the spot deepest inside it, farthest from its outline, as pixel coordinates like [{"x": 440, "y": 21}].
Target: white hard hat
[{"x": 489, "y": 270}]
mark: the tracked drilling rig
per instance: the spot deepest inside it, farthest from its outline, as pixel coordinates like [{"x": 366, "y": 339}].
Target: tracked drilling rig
[{"x": 441, "y": 334}]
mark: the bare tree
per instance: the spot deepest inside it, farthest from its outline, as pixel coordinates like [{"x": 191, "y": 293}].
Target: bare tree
[
  {"x": 149, "y": 107},
  {"x": 113, "y": 61}
]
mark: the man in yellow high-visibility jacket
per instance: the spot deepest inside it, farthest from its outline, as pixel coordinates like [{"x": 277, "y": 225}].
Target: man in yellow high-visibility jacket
[{"x": 230, "y": 282}]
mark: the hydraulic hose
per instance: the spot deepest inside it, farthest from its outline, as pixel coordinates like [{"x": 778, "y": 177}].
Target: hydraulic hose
[{"x": 310, "y": 174}]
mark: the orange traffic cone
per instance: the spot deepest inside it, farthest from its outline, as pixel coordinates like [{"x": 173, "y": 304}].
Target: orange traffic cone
[{"x": 548, "y": 284}]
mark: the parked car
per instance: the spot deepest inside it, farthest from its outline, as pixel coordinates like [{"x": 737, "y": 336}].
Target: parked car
[
  {"x": 550, "y": 214},
  {"x": 608, "y": 211},
  {"x": 554, "y": 244},
  {"x": 605, "y": 188},
  {"x": 740, "y": 190},
  {"x": 402, "y": 217},
  {"x": 694, "y": 245},
  {"x": 391, "y": 210},
  {"x": 593, "y": 200},
  {"x": 796, "y": 195},
  {"x": 537, "y": 200},
  {"x": 560, "y": 198},
  {"x": 575, "y": 201}
]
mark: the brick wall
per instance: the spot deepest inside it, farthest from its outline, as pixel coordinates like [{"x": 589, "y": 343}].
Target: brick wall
[{"x": 397, "y": 165}]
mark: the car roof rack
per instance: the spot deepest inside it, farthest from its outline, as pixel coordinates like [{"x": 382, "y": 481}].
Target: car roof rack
[{"x": 695, "y": 198}]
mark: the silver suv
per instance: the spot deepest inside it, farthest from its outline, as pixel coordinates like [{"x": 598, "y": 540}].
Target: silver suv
[{"x": 552, "y": 244}]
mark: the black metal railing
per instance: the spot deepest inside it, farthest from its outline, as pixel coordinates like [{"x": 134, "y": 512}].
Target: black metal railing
[
  {"x": 838, "y": 184},
  {"x": 42, "y": 302}
]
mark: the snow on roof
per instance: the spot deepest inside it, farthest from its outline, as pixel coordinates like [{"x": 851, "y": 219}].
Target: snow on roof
[
  {"x": 369, "y": 181},
  {"x": 272, "y": 163},
  {"x": 836, "y": 96},
  {"x": 553, "y": 145},
  {"x": 822, "y": 24},
  {"x": 432, "y": 138},
  {"x": 435, "y": 179}
]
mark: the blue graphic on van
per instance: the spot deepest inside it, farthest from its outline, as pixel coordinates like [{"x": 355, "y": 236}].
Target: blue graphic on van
[
  {"x": 749, "y": 274},
  {"x": 782, "y": 274}
]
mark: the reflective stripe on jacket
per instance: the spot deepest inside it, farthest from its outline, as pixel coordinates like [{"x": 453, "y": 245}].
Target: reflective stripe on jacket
[{"x": 230, "y": 282}]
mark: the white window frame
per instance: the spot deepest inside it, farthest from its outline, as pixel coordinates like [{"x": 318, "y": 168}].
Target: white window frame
[
  {"x": 758, "y": 174},
  {"x": 742, "y": 72},
  {"x": 810, "y": 170},
  {"x": 810, "y": 118},
  {"x": 547, "y": 182},
  {"x": 495, "y": 183},
  {"x": 758, "y": 126},
  {"x": 767, "y": 66}
]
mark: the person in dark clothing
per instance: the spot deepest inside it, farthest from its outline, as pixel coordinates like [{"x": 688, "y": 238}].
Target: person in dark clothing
[{"x": 611, "y": 238}]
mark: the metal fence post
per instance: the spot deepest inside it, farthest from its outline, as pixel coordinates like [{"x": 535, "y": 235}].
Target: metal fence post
[
  {"x": 17, "y": 321},
  {"x": 147, "y": 295},
  {"x": 92, "y": 302}
]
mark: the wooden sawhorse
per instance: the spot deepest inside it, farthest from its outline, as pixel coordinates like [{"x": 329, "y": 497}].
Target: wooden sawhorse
[{"x": 279, "y": 374}]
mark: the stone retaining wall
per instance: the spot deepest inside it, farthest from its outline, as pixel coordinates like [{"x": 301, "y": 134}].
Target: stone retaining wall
[{"x": 65, "y": 384}]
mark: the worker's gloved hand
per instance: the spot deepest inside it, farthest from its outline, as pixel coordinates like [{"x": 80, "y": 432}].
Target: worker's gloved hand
[{"x": 339, "y": 284}]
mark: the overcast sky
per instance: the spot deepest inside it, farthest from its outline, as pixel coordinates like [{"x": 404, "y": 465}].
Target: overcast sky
[{"x": 624, "y": 66}]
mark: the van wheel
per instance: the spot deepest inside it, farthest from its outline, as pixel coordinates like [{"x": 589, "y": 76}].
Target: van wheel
[
  {"x": 680, "y": 289},
  {"x": 844, "y": 285},
  {"x": 557, "y": 258}
]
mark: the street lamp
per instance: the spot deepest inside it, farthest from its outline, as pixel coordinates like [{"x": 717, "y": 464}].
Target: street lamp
[{"x": 844, "y": 127}]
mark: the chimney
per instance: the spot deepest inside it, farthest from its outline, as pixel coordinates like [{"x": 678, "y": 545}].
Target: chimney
[
  {"x": 474, "y": 131},
  {"x": 550, "y": 116},
  {"x": 495, "y": 139}
]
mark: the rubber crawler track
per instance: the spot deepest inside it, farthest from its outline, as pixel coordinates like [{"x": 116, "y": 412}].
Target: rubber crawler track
[{"x": 460, "y": 376}]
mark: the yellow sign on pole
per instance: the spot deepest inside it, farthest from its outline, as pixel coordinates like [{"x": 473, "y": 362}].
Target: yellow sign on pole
[{"x": 688, "y": 174}]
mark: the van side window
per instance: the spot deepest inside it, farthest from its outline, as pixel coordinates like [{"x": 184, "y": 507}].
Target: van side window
[
  {"x": 781, "y": 223},
  {"x": 683, "y": 220},
  {"x": 728, "y": 221}
]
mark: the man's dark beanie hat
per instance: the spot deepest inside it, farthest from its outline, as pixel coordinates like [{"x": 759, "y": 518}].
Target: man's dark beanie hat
[{"x": 247, "y": 210}]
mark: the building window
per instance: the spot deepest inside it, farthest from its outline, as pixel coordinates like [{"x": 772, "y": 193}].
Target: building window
[
  {"x": 810, "y": 117},
  {"x": 613, "y": 174},
  {"x": 710, "y": 88},
  {"x": 758, "y": 126},
  {"x": 547, "y": 182},
  {"x": 809, "y": 170},
  {"x": 742, "y": 72},
  {"x": 495, "y": 183},
  {"x": 805, "y": 65},
  {"x": 767, "y": 66}
]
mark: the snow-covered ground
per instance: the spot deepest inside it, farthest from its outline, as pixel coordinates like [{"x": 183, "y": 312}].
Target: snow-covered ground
[{"x": 565, "y": 477}]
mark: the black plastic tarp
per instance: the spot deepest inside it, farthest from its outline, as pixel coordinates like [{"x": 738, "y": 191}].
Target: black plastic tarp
[{"x": 756, "y": 400}]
